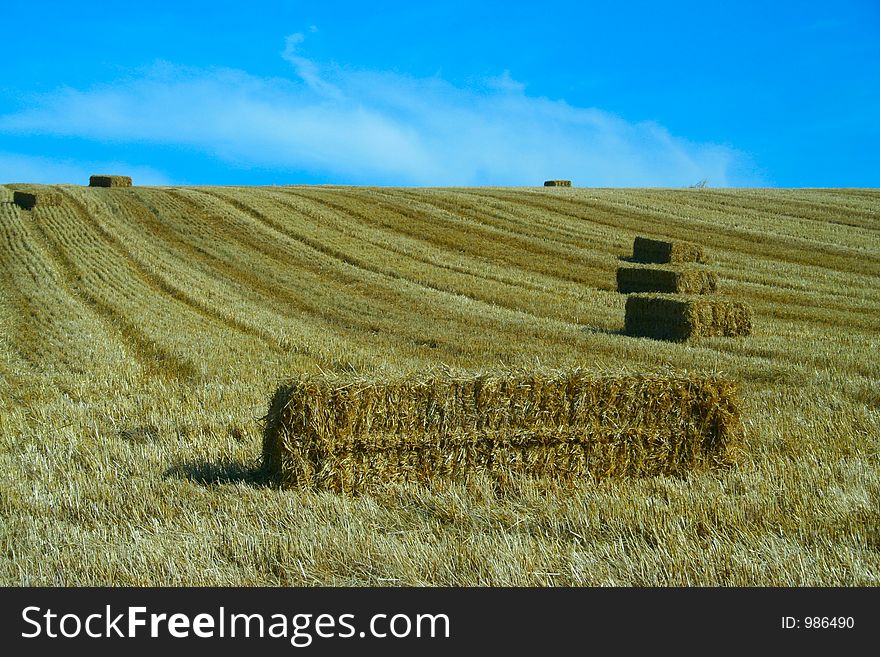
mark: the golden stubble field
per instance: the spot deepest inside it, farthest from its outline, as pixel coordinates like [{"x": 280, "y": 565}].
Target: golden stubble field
[{"x": 144, "y": 330}]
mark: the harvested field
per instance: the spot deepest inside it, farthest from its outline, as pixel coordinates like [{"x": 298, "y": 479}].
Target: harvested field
[
  {"x": 30, "y": 200},
  {"x": 666, "y": 280},
  {"x": 350, "y": 434},
  {"x": 142, "y": 334},
  {"x": 557, "y": 183},
  {"x": 681, "y": 318},
  {"x": 662, "y": 252},
  {"x": 109, "y": 181}
]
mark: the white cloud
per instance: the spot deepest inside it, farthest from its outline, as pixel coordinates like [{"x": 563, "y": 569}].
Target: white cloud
[
  {"x": 505, "y": 82},
  {"x": 382, "y": 128},
  {"x": 306, "y": 68}
]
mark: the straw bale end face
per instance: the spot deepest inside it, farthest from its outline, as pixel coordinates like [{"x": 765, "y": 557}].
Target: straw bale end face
[
  {"x": 557, "y": 183},
  {"x": 109, "y": 181},
  {"x": 664, "y": 317},
  {"x": 30, "y": 200}
]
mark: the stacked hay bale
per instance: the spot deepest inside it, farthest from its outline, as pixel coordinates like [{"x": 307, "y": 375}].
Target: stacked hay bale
[
  {"x": 351, "y": 434},
  {"x": 31, "y": 199},
  {"x": 665, "y": 317},
  {"x": 662, "y": 252},
  {"x": 109, "y": 181},
  {"x": 664, "y": 279},
  {"x": 668, "y": 296},
  {"x": 557, "y": 183}
]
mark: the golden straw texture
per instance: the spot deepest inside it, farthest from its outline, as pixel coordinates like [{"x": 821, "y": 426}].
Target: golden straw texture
[
  {"x": 350, "y": 434},
  {"x": 30, "y": 200},
  {"x": 110, "y": 181},
  {"x": 661, "y": 252},
  {"x": 680, "y": 318},
  {"x": 666, "y": 279}
]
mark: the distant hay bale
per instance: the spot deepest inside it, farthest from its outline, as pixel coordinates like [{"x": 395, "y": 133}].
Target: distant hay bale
[
  {"x": 350, "y": 434},
  {"x": 30, "y": 200},
  {"x": 666, "y": 279},
  {"x": 680, "y": 318},
  {"x": 661, "y": 252},
  {"x": 557, "y": 183},
  {"x": 110, "y": 181}
]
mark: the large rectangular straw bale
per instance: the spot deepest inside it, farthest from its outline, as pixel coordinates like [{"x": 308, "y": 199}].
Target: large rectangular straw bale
[
  {"x": 110, "y": 181},
  {"x": 662, "y": 252},
  {"x": 679, "y": 318},
  {"x": 30, "y": 200},
  {"x": 350, "y": 434},
  {"x": 557, "y": 183},
  {"x": 666, "y": 279}
]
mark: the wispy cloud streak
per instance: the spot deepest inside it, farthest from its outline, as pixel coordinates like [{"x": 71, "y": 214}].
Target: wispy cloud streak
[{"x": 376, "y": 127}]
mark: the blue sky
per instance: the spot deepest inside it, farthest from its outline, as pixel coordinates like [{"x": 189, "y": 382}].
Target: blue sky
[{"x": 613, "y": 94}]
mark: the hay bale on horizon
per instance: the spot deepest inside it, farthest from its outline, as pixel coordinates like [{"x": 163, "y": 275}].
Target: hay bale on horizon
[
  {"x": 30, "y": 200},
  {"x": 661, "y": 252},
  {"x": 669, "y": 280},
  {"x": 557, "y": 183},
  {"x": 680, "y": 318},
  {"x": 350, "y": 434},
  {"x": 109, "y": 181}
]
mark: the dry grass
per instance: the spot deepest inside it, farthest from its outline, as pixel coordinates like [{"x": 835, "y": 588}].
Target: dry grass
[
  {"x": 353, "y": 434},
  {"x": 682, "y": 318},
  {"x": 142, "y": 333},
  {"x": 666, "y": 280}
]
